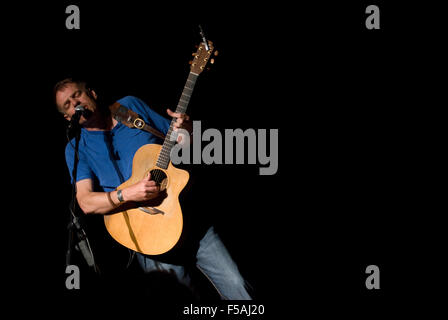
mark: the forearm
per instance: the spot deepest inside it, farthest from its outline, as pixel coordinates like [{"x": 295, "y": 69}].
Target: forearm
[
  {"x": 98, "y": 202},
  {"x": 92, "y": 202}
]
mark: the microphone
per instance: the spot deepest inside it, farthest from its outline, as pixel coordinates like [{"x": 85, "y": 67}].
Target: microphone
[{"x": 79, "y": 111}]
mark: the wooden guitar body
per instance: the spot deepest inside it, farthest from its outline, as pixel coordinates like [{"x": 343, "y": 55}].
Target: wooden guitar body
[{"x": 153, "y": 227}]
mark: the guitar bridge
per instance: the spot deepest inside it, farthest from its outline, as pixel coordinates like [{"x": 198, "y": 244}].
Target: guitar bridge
[{"x": 151, "y": 210}]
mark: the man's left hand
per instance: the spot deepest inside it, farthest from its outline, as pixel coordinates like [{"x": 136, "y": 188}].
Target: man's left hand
[{"x": 182, "y": 122}]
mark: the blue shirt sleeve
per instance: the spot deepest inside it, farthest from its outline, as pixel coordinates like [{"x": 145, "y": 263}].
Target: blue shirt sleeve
[
  {"x": 84, "y": 171},
  {"x": 149, "y": 116}
]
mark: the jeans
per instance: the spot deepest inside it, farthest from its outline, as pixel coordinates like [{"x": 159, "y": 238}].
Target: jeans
[{"x": 214, "y": 261}]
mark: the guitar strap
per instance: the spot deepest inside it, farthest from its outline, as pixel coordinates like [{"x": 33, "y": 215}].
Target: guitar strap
[{"x": 132, "y": 120}]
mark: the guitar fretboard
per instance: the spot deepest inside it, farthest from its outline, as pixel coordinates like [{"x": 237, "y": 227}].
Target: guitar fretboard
[{"x": 164, "y": 156}]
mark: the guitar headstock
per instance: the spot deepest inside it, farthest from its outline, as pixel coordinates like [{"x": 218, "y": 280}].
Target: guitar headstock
[{"x": 202, "y": 57}]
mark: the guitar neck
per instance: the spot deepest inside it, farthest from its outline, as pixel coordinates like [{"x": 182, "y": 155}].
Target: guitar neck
[{"x": 164, "y": 156}]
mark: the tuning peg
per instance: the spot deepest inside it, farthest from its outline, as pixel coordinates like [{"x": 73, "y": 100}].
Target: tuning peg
[
  {"x": 190, "y": 62},
  {"x": 215, "y": 53},
  {"x": 212, "y": 61}
]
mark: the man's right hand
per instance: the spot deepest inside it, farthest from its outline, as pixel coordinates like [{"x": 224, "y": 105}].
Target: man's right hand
[{"x": 143, "y": 190}]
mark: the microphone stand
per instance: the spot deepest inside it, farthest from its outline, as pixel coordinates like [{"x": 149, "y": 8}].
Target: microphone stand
[{"x": 74, "y": 227}]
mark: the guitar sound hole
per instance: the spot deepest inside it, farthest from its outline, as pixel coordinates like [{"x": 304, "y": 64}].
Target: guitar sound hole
[{"x": 159, "y": 176}]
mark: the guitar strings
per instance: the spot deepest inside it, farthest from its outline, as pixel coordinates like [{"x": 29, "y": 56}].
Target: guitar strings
[{"x": 159, "y": 174}]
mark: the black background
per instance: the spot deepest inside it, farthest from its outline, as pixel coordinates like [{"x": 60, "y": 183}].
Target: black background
[{"x": 349, "y": 190}]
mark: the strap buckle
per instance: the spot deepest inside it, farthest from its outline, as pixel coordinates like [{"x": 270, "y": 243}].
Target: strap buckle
[{"x": 139, "y": 123}]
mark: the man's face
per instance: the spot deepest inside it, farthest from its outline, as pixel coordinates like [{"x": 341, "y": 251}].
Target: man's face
[{"x": 73, "y": 95}]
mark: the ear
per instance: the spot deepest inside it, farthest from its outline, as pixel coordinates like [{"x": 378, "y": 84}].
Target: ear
[{"x": 93, "y": 94}]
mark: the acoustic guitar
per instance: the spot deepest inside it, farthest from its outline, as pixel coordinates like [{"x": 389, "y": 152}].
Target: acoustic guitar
[{"x": 155, "y": 226}]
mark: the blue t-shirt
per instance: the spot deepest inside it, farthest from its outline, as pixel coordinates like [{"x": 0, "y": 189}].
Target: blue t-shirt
[{"x": 105, "y": 155}]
